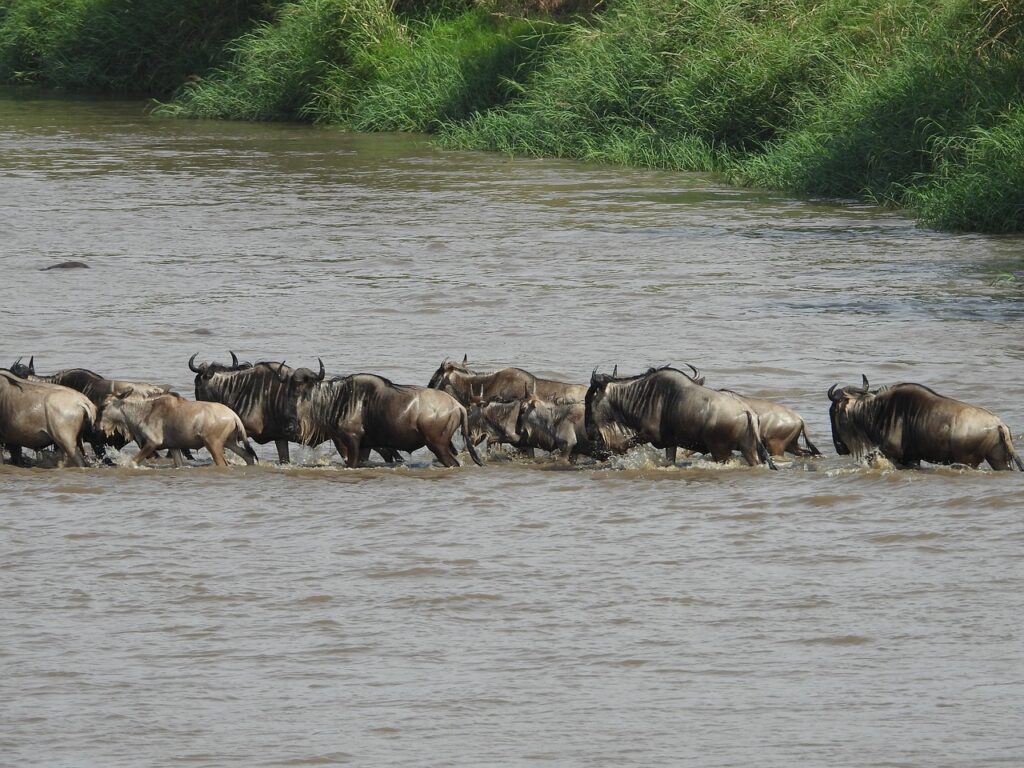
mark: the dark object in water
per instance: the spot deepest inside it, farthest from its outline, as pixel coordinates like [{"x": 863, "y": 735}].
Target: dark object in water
[{"x": 66, "y": 265}]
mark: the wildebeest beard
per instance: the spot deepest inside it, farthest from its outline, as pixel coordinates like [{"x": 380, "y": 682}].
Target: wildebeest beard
[{"x": 858, "y": 425}]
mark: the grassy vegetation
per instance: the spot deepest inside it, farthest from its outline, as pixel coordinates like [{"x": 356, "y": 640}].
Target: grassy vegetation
[
  {"x": 915, "y": 103},
  {"x": 147, "y": 47}
]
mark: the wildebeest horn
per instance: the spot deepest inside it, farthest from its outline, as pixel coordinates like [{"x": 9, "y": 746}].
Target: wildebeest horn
[
  {"x": 864, "y": 379},
  {"x": 323, "y": 371},
  {"x": 696, "y": 373},
  {"x": 191, "y": 364},
  {"x": 465, "y": 359},
  {"x": 234, "y": 359},
  {"x": 280, "y": 367},
  {"x": 593, "y": 377},
  {"x": 32, "y": 365},
  {"x": 16, "y": 362},
  {"x": 615, "y": 371},
  {"x": 832, "y": 393}
]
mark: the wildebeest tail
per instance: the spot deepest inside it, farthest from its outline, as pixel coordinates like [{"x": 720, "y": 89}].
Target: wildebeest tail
[
  {"x": 244, "y": 440},
  {"x": 468, "y": 441},
  {"x": 807, "y": 441},
  {"x": 1004, "y": 434},
  {"x": 762, "y": 452}
]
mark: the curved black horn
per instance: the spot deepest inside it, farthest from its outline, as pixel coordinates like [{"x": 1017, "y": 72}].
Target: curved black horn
[
  {"x": 593, "y": 377},
  {"x": 864, "y": 379},
  {"x": 280, "y": 367},
  {"x": 615, "y": 371},
  {"x": 323, "y": 371},
  {"x": 192, "y": 366},
  {"x": 234, "y": 359},
  {"x": 696, "y": 373},
  {"x": 832, "y": 393},
  {"x": 16, "y": 362},
  {"x": 32, "y": 365}
]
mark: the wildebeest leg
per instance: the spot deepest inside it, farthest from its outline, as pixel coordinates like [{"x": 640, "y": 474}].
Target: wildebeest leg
[
  {"x": 17, "y": 457},
  {"x": 238, "y": 450},
  {"x": 217, "y": 451},
  {"x": 341, "y": 448},
  {"x": 175, "y": 454},
  {"x": 282, "y": 451},
  {"x": 364, "y": 455},
  {"x": 390, "y": 456},
  {"x": 149, "y": 450},
  {"x": 670, "y": 454},
  {"x": 351, "y": 452},
  {"x": 445, "y": 452}
]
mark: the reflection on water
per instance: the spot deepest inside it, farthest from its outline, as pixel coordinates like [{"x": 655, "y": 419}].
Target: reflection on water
[{"x": 527, "y": 612}]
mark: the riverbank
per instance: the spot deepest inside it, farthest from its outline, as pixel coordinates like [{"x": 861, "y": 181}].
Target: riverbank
[{"x": 916, "y": 104}]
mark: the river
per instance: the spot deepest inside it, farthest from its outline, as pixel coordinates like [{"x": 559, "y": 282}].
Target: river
[{"x": 523, "y": 613}]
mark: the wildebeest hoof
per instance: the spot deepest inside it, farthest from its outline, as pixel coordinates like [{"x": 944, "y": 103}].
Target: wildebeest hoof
[{"x": 66, "y": 265}]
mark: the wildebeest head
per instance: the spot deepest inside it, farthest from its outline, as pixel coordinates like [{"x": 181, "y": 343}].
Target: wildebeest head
[
  {"x": 441, "y": 377},
  {"x": 23, "y": 371},
  {"x": 845, "y": 401},
  {"x": 206, "y": 370},
  {"x": 113, "y": 421},
  {"x": 597, "y": 411}
]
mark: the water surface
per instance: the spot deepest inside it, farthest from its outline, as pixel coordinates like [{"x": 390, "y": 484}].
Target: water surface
[{"x": 524, "y": 613}]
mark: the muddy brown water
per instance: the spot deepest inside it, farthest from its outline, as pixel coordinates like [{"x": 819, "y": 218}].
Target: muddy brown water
[{"x": 523, "y": 613}]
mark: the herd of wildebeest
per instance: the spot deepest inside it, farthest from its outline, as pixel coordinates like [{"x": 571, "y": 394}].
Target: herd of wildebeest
[{"x": 665, "y": 407}]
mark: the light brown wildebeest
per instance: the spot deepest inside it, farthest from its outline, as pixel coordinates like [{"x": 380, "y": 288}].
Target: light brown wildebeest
[
  {"x": 507, "y": 384},
  {"x": 910, "y": 423},
  {"x": 36, "y": 415},
  {"x": 170, "y": 421},
  {"x": 781, "y": 427},
  {"x": 96, "y": 388}
]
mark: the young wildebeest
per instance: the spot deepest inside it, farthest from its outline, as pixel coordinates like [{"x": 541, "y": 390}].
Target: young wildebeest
[
  {"x": 781, "y": 427},
  {"x": 667, "y": 408},
  {"x": 36, "y": 414},
  {"x": 506, "y": 384},
  {"x": 96, "y": 388},
  {"x": 170, "y": 421},
  {"x": 366, "y": 410},
  {"x": 910, "y": 423},
  {"x": 496, "y": 423},
  {"x": 556, "y": 427}
]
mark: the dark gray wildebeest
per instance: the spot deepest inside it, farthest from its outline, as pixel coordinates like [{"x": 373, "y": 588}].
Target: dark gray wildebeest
[
  {"x": 170, "y": 421},
  {"x": 555, "y": 426},
  {"x": 365, "y": 410},
  {"x": 96, "y": 388},
  {"x": 507, "y": 384},
  {"x": 910, "y": 423},
  {"x": 35, "y": 414},
  {"x": 265, "y": 396},
  {"x": 667, "y": 408},
  {"x": 781, "y": 427}
]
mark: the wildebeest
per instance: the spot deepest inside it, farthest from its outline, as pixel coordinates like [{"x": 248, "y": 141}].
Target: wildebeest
[
  {"x": 495, "y": 421},
  {"x": 265, "y": 396},
  {"x": 365, "y": 410},
  {"x": 910, "y": 423},
  {"x": 37, "y": 414},
  {"x": 506, "y": 384},
  {"x": 781, "y": 427},
  {"x": 94, "y": 387},
  {"x": 170, "y": 421},
  {"x": 667, "y": 408},
  {"x": 555, "y": 426}
]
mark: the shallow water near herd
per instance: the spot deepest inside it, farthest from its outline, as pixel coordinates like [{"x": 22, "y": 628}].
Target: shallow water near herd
[{"x": 526, "y": 612}]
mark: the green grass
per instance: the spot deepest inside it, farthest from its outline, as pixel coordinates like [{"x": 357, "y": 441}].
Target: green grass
[
  {"x": 145, "y": 47},
  {"x": 912, "y": 103}
]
